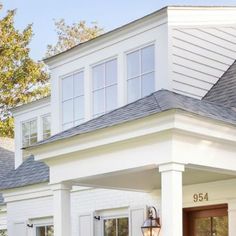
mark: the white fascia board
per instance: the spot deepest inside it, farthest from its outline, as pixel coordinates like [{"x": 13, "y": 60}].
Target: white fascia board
[
  {"x": 27, "y": 192},
  {"x": 32, "y": 106},
  {"x": 115, "y": 36},
  {"x": 169, "y": 121},
  {"x": 202, "y": 15},
  {"x": 118, "y": 133},
  {"x": 204, "y": 127}
]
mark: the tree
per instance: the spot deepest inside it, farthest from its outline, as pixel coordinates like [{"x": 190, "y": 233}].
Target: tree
[
  {"x": 21, "y": 79},
  {"x": 71, "y": 35}
]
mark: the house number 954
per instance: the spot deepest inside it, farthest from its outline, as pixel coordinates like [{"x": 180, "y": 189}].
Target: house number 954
[{"x": 200, "y": 197}]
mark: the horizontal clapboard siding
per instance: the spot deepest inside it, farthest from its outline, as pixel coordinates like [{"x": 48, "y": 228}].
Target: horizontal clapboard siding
[{"x": 200, "y": 56}]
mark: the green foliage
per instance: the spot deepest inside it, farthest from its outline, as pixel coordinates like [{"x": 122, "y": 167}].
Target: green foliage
[
  {"x": 71, "y": 35},
  {"x": 21, "y": 79}
]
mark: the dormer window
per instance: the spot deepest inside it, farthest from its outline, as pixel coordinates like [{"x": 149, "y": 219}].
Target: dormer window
[
  {"x": 46, "y": 125},
  {"x": 72, "y": 100},
  {"x": 29, "y": 132},
  {"x": 140, "y": 73},
  {"x": 104, "y": 87}
]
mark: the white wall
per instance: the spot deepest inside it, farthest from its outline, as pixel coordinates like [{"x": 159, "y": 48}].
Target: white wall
[
  {"x": 88, "y": 203},
  {"x": 25, "y": 113}
]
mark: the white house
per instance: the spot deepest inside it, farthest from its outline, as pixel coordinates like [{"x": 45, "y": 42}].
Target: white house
[{"x": 141, "y": 116}]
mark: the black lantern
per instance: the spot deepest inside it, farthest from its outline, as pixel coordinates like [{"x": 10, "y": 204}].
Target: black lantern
[{"x": 151, "y": 226}]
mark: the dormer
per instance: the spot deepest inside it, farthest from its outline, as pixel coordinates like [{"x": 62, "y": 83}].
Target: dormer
[{"x": 182, "y": 49}]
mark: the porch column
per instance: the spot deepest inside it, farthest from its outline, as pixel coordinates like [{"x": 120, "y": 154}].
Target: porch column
[
  {"x": 171, "y": 199},
  {"x": 61, "y": 209},
  {"x": 232, "y": 217}
]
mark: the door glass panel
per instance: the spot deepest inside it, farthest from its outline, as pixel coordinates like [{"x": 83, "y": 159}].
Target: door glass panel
[
  {"x": 202, "y": 226},
  {"x": 220, "y": 226}
]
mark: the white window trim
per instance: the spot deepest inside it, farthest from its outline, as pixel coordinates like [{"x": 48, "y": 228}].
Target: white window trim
[
  {"x": 81, "y": 70},
  {"x": 40, "y": 222},
  {"x": 26, "y": 121},
  {"x": 139, "y": 48},
  {"x": 118, "y": 216},
  {"x": 104, "y": 87}
]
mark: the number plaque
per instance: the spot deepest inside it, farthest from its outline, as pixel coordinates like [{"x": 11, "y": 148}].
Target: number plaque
[{"x": 200, "y": 197}]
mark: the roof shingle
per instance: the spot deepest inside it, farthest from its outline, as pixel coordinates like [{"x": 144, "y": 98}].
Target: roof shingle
[
  {"x": 224, "y": 91},
  {"x": 157, "y": 102},
  {"x": 28, "y": 173}
]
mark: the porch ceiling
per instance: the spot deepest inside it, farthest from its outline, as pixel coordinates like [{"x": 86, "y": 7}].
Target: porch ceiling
[{"x": 148, "y": 179}]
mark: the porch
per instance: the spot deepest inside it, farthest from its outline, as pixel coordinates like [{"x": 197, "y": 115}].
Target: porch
[{"x": 171, "y": 152}]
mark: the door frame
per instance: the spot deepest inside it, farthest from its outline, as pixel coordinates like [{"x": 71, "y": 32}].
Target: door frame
[{"x": 203, "y": 211}]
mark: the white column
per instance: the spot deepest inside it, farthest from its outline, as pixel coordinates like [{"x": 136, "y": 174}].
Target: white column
[
  {"x": 61, "y": 209},
  {"x": 171, "y": 199},
  {"x": 232, "y": 217}
]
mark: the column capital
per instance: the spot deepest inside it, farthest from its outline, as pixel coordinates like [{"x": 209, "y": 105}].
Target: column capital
[
  {"x": 61, "y": 186},
  {"x": 171, "y": 167}
]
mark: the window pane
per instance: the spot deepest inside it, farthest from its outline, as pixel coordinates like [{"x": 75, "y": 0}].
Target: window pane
[
  {"x": 50, "y": 230},
  {"x": 110, "y": 227},
  {"x": 67, "y": 88},
  {"x": 111, "y": 98},
  {"x": 33, "y": 131},
  {"x": 133, "y": 89},
  {"x": 123, "y": 227},
  {"x": 78, "y": 84},
  {"x": 67, "y": 109},
  {"x": 46, "y": 126},
  {"x": 133, "y": 64},
  {"x": 41, "y": 231},
  {"x": 25, "y": 134},
  {"x": 79, "y": 108},
  {"x": 98, "y": 102},
  {"x": 148, "y": 84},
  {"x": 148, "y": 59},
  {"x": 111, "y": 72},
  {"x": 3, "y": 232},
  {"x": 98, "y": 76}
]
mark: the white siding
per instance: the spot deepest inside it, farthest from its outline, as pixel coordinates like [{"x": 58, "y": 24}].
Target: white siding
[
  {"x": 84, "y": 204},
  {"x": 200, "y": 56}
]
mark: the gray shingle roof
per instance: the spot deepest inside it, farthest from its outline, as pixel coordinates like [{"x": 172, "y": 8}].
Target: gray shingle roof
[
  {"x": 224, "y": 91},
  {"x": 6, "y": 164},
  {"x": 28, "y": 173},
  {"x": 157, "y": 102}
]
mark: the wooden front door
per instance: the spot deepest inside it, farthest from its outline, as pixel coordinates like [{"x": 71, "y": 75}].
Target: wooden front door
[{"x": 206, "y": 221}]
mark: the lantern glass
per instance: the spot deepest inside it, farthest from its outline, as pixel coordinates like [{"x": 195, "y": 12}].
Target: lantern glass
[{"x": 151, "y": 231}]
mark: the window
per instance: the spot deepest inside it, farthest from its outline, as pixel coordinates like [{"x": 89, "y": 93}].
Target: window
[
  {"x": 44, "y": 230},
  {"x": 29, "y": 133},
  {"x": 3, "y": 232},
  {"x": 72, "y": 100},
  {"x": 104, "y": 87},
  {"x": 140, "y": 73},
  {"x": 46, "y": 123},
  {"x": 116, "y": 226}
]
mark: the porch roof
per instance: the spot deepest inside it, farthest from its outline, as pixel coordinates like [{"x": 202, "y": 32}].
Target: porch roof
[
  {"x": 28, "y": 173},
  {"x": 157, "y": 102}
]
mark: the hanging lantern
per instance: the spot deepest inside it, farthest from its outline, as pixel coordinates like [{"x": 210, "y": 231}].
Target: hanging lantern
[{"x": 151, "y": 226}]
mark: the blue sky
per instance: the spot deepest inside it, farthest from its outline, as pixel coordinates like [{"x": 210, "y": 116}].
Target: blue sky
[{"x": 108, "y": 13}]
